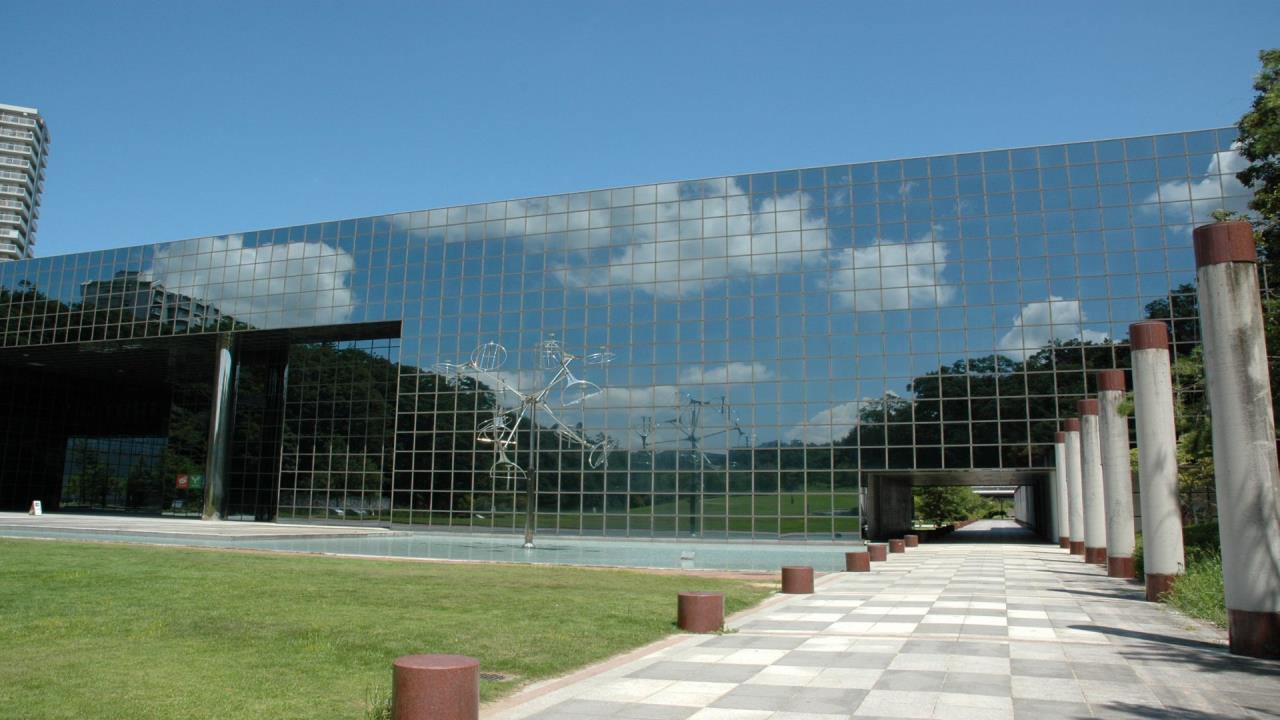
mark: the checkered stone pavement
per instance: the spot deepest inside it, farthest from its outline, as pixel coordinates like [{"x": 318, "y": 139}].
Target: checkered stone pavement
[{"x": 943, "y": 631}]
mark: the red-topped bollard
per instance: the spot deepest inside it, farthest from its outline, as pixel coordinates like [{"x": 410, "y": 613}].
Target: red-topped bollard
[
  {"x": 700, "y": 612},
  {"x": 857, "y": 561},
  {"x": 911, "y": 540},
  {"x": 897, "y": 545},
  {"x": 435, "y": 687},
  {"x": 879, "y": 552},
  {"x": 797, "y": 580}
]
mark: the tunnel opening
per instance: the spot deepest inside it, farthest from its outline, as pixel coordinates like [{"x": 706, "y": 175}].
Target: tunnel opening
[{"x": 1008, "y": 505}]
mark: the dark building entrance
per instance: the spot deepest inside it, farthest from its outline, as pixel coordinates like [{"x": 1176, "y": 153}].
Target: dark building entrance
[{"x": 126, "y": 426}]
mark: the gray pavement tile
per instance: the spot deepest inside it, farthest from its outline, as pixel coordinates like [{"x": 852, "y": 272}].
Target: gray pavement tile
[
  {"x": 978, "y": 684},
  {"x": 956, "y": 647},
  {"x": 1104, "y": 671},
  {"x": 937, "y": 629},
  {"x": 918, "y": 680},
  {"x": 754, "y": 642},
  {"x": 809, "y": 658},
  {"x": 794, "y": 700},
  {"x": 1049, "y": 710},
  {"x": 701, "y": 672},
  {"x": 796, "y": 625},
  {"x": 1041, "y": 668},
  {"x": 985, "y": 630},
  {"x": 574, "y": 709}
]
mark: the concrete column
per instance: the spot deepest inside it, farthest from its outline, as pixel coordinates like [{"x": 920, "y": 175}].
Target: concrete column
[
  {"x": 1075, "y": 493},
  {"x": 1061, "y": 513},
  {"x": 218, "y": 450},
  {"x": 1244, "y": 437},
  {"x": 1095, "y": 506},
  {"x": 1162, "y": 557},
  {"x": 1117, "y": 481}
]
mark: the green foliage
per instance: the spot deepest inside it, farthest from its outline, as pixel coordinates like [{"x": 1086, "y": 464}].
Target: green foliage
[
  {"x": 1200, "y": 592},
  {"x": 141, "y": 633},
  {"x": 1260, "y": 144},
  {"x": 943, "y": 504}
]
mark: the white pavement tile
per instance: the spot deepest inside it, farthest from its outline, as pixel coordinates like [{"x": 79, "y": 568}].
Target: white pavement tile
[
  {"x": 897, "y": 704},
  {"x": 846, "y": 678},
  {"x": 754, "y": 656},
  {"x": 629, "y": 689},
  {"x": 723, "y": 714},
  {"x": 687, "y": 693}
]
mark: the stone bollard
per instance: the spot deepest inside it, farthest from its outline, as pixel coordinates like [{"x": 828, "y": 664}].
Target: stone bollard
[
  {"x": 1244, "y": 437},
  {"x": 797, "y": 580},
  {"x": 700, "y": 612},
  {"x": 435, "y": 687},
  {"x": 1075, "y": 493},
  {"x": 1117, "y": 481},
  {"x": 857, "y": 561},
  {"x": 1095, "y": 514},
  {"x": 879, "y": 552},
  {"x": 911, "y": 540},
  {"x": 1162, "y": 552},
  {"x": 897, "y": 545},
  {"x": 1060, "y": 489}
]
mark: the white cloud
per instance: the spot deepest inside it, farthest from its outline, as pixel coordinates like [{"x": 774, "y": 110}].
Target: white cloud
[
  {"x": 1040, "y": 323},
  {"x": 829, "y": 425},
  {"x": 734, "y": 372},
  {"x": 280, "y": 285},
  {"x": 1207, "y": 194},
  {"x": 694, "y": 243},
  {"x": 892, "y": 276}
]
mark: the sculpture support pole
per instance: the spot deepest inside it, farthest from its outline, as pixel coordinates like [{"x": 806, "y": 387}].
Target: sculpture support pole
[
  {"x": 1117, "y": 481},
  {"x": 531, "y": 484},
  {"x": 1244, "y": 436},
  {"x": 1162, "y": 556}
]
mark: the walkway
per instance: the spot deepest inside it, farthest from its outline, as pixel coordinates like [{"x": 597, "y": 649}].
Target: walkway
[
  {"x": 944, "y": 631},
  {"x": 1001, "y": 531}
]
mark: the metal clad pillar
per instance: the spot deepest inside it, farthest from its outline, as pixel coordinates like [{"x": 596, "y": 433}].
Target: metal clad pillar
[
  {"x": 1061, "y": 511},
  {"x": 218, "y": 449},
  {"x": 1117, "y": 480},
  {"x": 1075, "y": 494},
  {"x": 1095, "y": 518},
  {"x": 1244, "y": 436}
]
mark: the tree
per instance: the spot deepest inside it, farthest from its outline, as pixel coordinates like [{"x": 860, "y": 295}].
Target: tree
[
  {"x": 1260, "y": 145},
  {"x": 943, "y": 504}
]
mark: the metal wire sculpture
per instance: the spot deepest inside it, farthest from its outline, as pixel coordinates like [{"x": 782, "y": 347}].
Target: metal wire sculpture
[{"x": 501, "y": 431}]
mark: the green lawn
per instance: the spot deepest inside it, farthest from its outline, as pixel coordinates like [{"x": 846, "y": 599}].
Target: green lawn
[{"x": 119, "y": 631}]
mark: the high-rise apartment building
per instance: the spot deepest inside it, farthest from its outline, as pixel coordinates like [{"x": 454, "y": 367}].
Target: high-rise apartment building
[{"x": 24, "y": 147}]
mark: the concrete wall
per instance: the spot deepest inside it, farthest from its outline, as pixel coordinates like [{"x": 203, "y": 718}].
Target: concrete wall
[{"x": 892, "y": 508}]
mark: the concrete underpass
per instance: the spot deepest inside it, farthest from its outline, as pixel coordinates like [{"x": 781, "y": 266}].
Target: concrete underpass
[{"x": 889, "y": 505}]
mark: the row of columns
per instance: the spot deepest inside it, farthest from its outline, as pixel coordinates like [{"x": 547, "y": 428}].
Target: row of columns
[{"x": 1092, "y": 479}]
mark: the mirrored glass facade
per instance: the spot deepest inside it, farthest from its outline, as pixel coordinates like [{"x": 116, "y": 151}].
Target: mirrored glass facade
[{"x": 774, "y": 339}]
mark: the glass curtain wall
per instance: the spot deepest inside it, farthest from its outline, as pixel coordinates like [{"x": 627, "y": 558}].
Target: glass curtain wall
[{"x": 769, "y": 337}]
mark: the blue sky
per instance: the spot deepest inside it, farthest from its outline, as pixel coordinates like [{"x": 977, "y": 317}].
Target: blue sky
[{"x": 174, "y": 120}]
